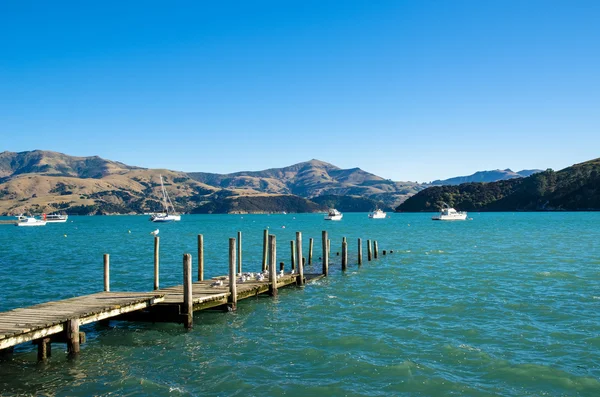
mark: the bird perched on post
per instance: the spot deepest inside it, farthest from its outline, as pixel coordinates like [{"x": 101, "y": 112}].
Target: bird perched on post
[{"x": 154, "y": 233}]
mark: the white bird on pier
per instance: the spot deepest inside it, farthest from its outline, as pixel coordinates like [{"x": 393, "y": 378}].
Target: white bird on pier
[{"x": 154, "y": 233}]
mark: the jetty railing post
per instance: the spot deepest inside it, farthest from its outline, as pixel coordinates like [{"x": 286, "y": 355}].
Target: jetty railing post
[
  {"x": 106, "y": 272},
  {"x": 239, "y": 252},
  {"x": 300, "y": 262},
  {"x": 344, "y": 254},
  {"x": 369, "y": 253},
  {"x": 292, "y": 255},
  {"x": 156, "y": 261},
  {"x": 310, "y": 250},
  {"x": 375, "y": 249},
  {"x": 200, "y": 257},
  {"x": 232, "y": 304},
  {"x": 328, "y": 247},
  {"x": 272, "y": 265},
  {"x": 73, "y": 337},
  {"x": 188, "y": 302},
  {"x": 359, "y": 251},
  {"x": 325, "y": 253},
  {"x": 265, "y": 249}
]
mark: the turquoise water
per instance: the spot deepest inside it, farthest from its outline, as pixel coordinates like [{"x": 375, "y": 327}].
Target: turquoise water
[{"x": 505, "y": 304}]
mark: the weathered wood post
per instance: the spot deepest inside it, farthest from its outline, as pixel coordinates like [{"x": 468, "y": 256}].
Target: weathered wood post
[
  {"x": 300, "y": 262},
  {"x": 310, "y": 250},
  {"x": 106, "y": 272},
  {"x": 232, "y": 301},
  {"x": 369, "y": 253},
  {"x": 359, "y": 251},
  {"x": 375, "y": 249},
  {"x": 344, "y": 254},
  {"x": 44, "y": 349},
  {"x": 281, "y": 266},
  {"x": 73, "y": 337},
  {"x": 293, "y": 255},
  {"x": 325, "y": 253},
  {"x": 239, "y": 252},
  {"x": 200, "y": 257},
  {"x": 272, "y": 266},
  {"x": 265, "y": 249},
  {"x": 188, "y": 302},
  {"x": 156, "y": 261},
  {"x": 328, "y": 247}
]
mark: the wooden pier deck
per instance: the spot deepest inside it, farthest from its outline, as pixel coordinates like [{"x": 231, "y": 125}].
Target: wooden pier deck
[
  {"x": 59, "y": 321},
  {"x": 30, "y": 323}
]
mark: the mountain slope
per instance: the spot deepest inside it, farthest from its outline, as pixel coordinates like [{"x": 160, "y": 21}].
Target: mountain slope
[
  {"x": 573, "y": 188},
  {"x": 312, "y": 179}
]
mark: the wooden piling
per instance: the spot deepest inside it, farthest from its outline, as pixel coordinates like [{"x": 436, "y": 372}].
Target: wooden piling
[
  {"x": 375, "y": 249},
  {"x": 106, "y": 272},
  {"x": 344, "y": 254},
  {"x": 310, "y": 251},
  {"x": 293, "y": 255},
  {"x": 72, "y": 330},
  {"x": 200, "y": 257},
  {"x": 188, "y": 302},
  {"x": 281, "y": 266},
  {"x": 156, "y": 261},
  {"x": 328, "y": 247},
  {"x": 359, "y": 251},
  {"x": 325, "y": 253},
  {"x": 272, "y": 266},
  {"x": 232, "y": 301},
  {"x": 265, "y": 249},
  {"x": 300, "y": 259},
  {"x": 44, "y": 349},
  {"x": 239, "y": 252},
  {"x": 383, "y": 252},
  {"x": 369, "y": 253}
]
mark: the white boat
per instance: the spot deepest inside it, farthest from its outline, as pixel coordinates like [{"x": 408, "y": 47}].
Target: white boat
[
  {"x": 377, "y": 214},
  {"x": 333, "y": 215},
  {"x": 55, "y": 218},
  {"x": 23, "y": 220},
  {"x": 450, "y": 214},
  {"x": 168, "y": 214}
]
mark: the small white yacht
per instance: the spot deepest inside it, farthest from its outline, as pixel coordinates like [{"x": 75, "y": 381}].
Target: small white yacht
[
  {"x": 55, "y": 218},
  {"x": 333, "y": 215},
  {"x": 169, "y": 214},
  {"x": 377, "y": 214},
  {"x": 449, "y": 214},
  {"x": 23, "y": 220}
]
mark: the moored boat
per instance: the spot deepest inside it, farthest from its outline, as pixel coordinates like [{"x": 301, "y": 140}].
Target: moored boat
[
  {"x": 333, "y": 215},
  {"x": 169, "y": 214},
  {"x": 55, "y": 218},
  {"x": 449, "y": 214},
  {"x": 23, "y": 220},
  {"x": 377, "y": 214}
]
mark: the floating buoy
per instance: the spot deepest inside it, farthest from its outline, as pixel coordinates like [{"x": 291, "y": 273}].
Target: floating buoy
[{"x": 65, "y": 235}]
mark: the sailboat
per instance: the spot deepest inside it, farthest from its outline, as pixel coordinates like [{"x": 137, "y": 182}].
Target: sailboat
[{"x": 169, "y": 214}]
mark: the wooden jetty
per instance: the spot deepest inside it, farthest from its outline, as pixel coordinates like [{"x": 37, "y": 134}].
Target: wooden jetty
[{"x": 59, "y": 321}]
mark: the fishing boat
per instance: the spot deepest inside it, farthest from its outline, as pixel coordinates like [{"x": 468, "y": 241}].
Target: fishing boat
[
  {"x": 449, "y": 214},
  {"x": 377, "y": 214},
  {"x": 168, "y": 214},
  {"x": 55, "y": 218},
  {"x": 23, "y": 220},
  {"x": 333, "y": 215}
]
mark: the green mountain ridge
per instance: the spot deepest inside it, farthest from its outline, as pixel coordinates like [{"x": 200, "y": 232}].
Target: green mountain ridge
[{"x": 576, "y": 188}]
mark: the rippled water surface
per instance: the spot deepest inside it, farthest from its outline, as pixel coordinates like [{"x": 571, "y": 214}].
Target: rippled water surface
[{"x": 503, "y": 304}]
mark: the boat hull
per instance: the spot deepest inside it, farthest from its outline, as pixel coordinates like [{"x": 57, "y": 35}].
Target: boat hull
[
  {"x": 458, "y": 217},
  {"x": 333, "y": 217},
  {"x": 165, "y": 218}
]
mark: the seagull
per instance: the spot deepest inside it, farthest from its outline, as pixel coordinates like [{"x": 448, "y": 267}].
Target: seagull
[{"x": 154, "y": 233}]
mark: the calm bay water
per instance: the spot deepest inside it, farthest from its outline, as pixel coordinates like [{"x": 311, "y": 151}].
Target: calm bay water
[{"x": 504, "y": 304}]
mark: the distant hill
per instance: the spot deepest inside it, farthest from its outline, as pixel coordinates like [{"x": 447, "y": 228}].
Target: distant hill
[
  {"x": 312, "y": 179},
  {"x": 574, "y": 188},
  {"x": 44, "y": 181},
  {"x": 485, "y": 176}
]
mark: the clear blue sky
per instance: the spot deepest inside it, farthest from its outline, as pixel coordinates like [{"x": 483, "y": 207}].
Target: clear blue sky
[{"x": 408, "y": 90}]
